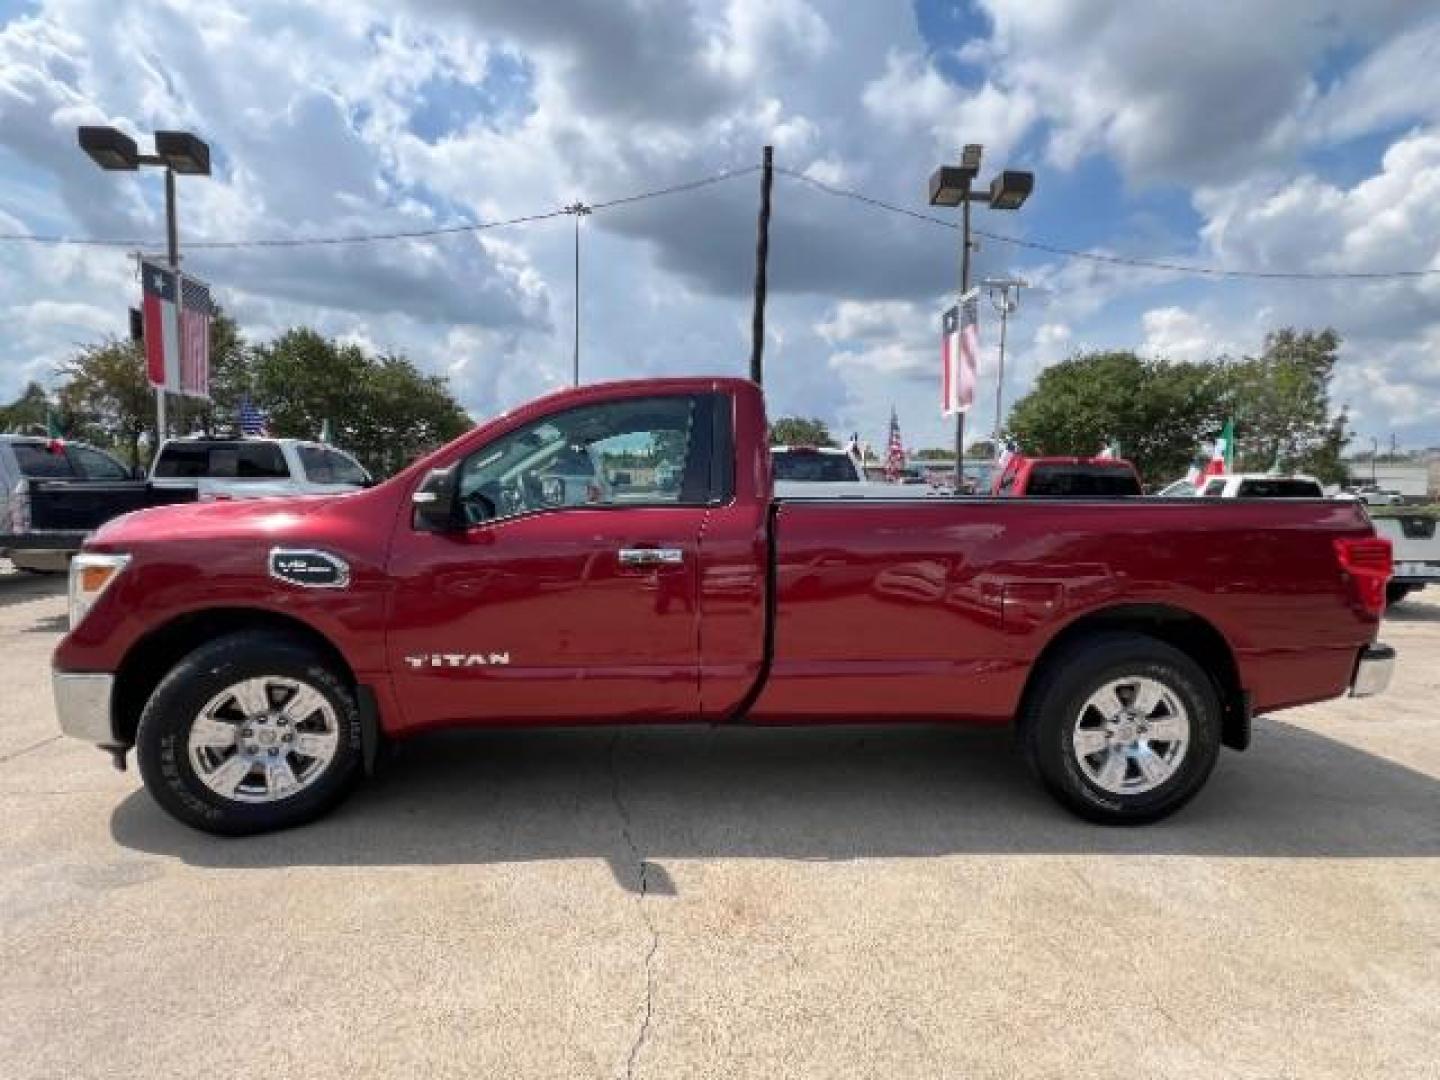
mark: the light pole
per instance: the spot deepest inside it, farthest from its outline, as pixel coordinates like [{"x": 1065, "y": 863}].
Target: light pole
[
  {"x": 1006, "y": 303},
  {"x": 175, "y": 152},
  {"x": 951, "y": 185},
  {"x": 1374, "y": 452},
  {"x": 578, "y": 210}
]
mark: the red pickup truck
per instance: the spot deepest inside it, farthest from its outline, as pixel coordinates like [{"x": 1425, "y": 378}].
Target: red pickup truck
[{"x": 613, "y": 554}]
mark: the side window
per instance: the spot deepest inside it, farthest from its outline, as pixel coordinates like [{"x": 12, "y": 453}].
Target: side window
[
  {"x": 346, "y": 470},
  {"x": 636, "y": 452},
  {"x": 316, "y": 463},
  {"x": 1214, "y": 489},
  {"x": 93, "y": 465},
  {"x": 37, "y": 461}
]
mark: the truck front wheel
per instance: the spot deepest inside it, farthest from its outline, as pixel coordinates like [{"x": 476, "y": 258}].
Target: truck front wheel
[
  {"x": 1122, "y": 728},
  {"x": 251, "y": 732}
]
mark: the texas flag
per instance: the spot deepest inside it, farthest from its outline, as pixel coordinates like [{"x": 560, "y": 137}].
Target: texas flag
[
  {"x": 960, "y": 354},
  {"x": 176, "y": 315}
]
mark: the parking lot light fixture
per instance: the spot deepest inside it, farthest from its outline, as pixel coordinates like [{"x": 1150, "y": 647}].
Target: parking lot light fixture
[
  {"x": 110, "y": 148},
  {"x": 1010, "y": 189},
  {"x": 953, "y": 185},
  {"x": 183, "y": 152},
  {"x": 177, "y": 152}
]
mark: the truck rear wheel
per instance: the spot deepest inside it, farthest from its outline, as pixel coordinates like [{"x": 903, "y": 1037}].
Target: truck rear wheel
[
  {"x": 249, "y": 733},
  {"x": 1394, "y": 593},
  {"x": 1122, "y": 729}
]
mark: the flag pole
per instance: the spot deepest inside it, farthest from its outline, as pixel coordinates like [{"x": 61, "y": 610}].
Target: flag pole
[{"x": 172, "y": 243}]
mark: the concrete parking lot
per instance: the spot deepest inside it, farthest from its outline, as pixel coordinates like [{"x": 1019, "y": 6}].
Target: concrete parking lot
[{"x": 730, "y": 903}]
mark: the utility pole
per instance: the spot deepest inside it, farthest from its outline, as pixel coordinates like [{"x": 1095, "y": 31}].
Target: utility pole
[
  {"x": 762, "y": 257},
  {"x": 1374, "y": 453},
  {"x": 1006, "y": 304},
  {"x": 578, "y": 210}
]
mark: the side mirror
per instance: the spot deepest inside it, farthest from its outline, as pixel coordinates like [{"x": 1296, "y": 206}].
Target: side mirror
[
  {"x": 139, "y": 473},
  {"x": 435, "y": 506}
]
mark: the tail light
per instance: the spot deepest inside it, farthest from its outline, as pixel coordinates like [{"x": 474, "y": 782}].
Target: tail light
[
  {"x": 20, "y": 507},
  {"x": 1367, "y": 564}
]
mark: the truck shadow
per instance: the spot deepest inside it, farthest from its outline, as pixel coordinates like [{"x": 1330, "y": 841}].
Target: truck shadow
[
  {"x": 17, "y": 587},
  {"x": 836, "y": 794}
]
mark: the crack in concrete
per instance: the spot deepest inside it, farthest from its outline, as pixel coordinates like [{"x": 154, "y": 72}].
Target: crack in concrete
[
  {"x": 25, "y": 750},
  {"x": 643, "y": 870}
]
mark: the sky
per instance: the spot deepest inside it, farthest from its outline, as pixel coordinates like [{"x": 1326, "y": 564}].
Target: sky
[{"x": 1295, "y": 135}]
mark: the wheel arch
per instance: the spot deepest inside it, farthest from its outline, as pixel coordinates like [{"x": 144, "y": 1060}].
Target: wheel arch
[
  {"x": 152, "y": 657},
  {"x": 1178, "y": 627}
]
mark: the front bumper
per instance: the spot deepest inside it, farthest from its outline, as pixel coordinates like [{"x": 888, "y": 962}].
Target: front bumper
[
  {"x": 82, "y": 702},
  {"x": 1373, "y": 671}
]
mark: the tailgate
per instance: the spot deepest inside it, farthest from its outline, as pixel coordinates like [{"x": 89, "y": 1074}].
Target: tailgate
[{"x": 86, "y": 505}]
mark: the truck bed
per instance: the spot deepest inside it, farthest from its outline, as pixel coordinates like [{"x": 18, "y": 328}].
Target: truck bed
[{"x": 957, "y": 597}]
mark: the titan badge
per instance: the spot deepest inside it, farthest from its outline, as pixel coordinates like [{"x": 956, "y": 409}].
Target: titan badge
[{"x": 458, "y": 660}]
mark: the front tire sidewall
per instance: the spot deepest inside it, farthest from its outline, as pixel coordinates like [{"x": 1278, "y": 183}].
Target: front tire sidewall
[
  {"x": 162, "y": 741},
  {"x": 1052, "y": 727}
]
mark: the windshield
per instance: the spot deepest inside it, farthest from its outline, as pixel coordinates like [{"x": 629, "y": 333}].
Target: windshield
[{"x": 812, "y": 467}]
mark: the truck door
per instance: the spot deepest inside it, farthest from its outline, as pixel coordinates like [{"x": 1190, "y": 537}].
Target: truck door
[{"x": 570, "y": 594}]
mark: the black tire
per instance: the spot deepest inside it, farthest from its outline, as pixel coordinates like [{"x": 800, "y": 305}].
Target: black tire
[
  {"x": 1395, "y": 592},
  {"x": 1053, "y": 711},
  {"x": 163, "y": 736}
]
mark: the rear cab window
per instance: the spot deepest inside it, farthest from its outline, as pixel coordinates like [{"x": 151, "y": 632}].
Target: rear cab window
[
  {"x": 1280, "y": 488},
  {"x": 222, "y": 461},
  {"x": 1081, "y": 482},
  {"x": 812, "y": 466}
]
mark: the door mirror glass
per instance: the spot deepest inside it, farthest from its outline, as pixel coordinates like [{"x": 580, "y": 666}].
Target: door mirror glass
[{"x": 434, "y": 502}]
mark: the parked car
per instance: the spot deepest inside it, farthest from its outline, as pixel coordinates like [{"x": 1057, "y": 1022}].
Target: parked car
[
  {"x": 1416, "y": 547},
  {"x": 1373, "y": 495},
  {"x": 53, "y": 492},
  {"x": 1261, "y": 486},
  {"x": 255, "y": 468},
  {"x": 1066, "y": 478},
  {"x": 257, "y": 655}
]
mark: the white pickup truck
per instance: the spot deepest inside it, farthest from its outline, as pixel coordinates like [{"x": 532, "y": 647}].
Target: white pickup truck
[
  {"x": 255, "y": 468},
  {"x": 1416, "y": 544}
]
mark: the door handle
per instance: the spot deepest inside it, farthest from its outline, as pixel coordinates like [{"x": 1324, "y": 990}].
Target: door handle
[{"x": 651, "y": 556}]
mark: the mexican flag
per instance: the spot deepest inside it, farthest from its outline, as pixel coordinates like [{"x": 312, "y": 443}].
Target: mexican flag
[{"x": 1222, "y": 458}]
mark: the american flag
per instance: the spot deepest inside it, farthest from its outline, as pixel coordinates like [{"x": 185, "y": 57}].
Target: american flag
[
  {"x": 176, "y": 319},
  {"x": 195, "y": 313},
  {"x": 895, "y": 450},
  {"x": 960, "y": 354},
  {"x": 252, "y": 420}
]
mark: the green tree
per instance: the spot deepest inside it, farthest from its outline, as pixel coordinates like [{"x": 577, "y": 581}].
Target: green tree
[
  {"x": 1160, "y": 411},
  {"x": 383, "y": 410},
  {"x": 1281, "y": 404},
  {"x": 107, "y": 398},
  {"x": 798, "y": 431},
  {"x": 26, "y": 412}
]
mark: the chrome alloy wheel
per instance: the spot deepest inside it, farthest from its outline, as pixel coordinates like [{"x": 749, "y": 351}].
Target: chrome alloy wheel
[
  {"x": 1131, "y": 735},
  {"x": 263, "y": 739}
]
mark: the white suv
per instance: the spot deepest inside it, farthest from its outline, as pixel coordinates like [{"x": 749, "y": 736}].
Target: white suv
[{"x": 255, "y": 468}]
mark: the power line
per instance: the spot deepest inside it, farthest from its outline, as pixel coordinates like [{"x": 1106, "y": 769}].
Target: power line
[
  {"x": 399, "y": 234},
  {"x": 1114, "y": 260}
]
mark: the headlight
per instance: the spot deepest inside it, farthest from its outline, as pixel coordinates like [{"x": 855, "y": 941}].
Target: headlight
[{"x": 90, "y": 575}]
